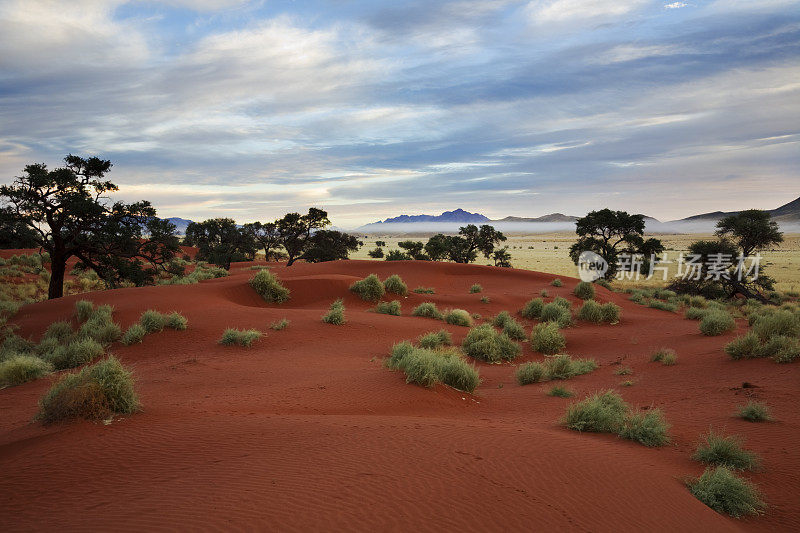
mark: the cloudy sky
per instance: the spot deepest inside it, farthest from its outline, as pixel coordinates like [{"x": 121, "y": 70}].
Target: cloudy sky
[{"x": 370, "y": 109}]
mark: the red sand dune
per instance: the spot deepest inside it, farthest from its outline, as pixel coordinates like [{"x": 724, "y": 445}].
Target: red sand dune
[{"x": 307, "y": 429}]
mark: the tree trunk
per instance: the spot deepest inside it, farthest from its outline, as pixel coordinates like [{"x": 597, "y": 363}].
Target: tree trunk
[
  {"x": 58, "y": 267},
  {"x": 291, "y": 260}
]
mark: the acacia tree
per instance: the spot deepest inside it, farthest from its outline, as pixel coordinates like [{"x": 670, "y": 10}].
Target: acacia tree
[
  {"x": 612, "y": 233},
  {"x": 14, "y": 232},
  {"x": 220, "y": 241},
  {"x": 266, "y": 236},
  {"x": 71, "y": 217},
  {"x": 294, "y": 231},
  {"x": 414, "y": 249},
  {"x": 329, "y": 245}
]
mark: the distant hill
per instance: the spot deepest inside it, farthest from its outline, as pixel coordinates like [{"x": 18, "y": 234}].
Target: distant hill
[
  {"x": 459, "y": 215},
  {"x": 786, "y": 213},
  {"x": 180, "y": 224},
  {"x": 554, "y": 217}
]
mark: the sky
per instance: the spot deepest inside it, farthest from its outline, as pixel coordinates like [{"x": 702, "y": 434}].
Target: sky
[{"x": 371, "y": 109}]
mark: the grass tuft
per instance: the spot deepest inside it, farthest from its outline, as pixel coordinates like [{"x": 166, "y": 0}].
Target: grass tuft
[
  {"x": 134, "y": 335},
  {"x": 176, "y": 321},
  {"x": 486, "y": 344},
  {"x": 560, "y": 392},
  {"x": 152, "y": 321},
  {"x": 584, "y": 290},
  {"x": 279, "y": 325},
  {"x": 716, "y": 322},
  {"x": 646, "y": 427},
  {"x": 427, "y": 367},
  {"x": 720, "y": 450},
  {"x": 267, "y": 285},
  {"x": 725, "y": 492},
  {"x": 547, "y": 339},
  {"x": 21, "y": 369},
  {"x": 665, "y": 356},
  {"x": 531, "y": 373},
  {"x": 754, "y": 412},
  {"x": 425, "y": 290},
  {"x": 76, "y": 353},
  {"x": 743, "y": 347},
  {"x": 335, "y": 314},
  {"x": 388, "y": 308},
  {"x": 436, "y": 339},
  {"x": 370, "y": 289},
  {"x": 557, "y": 313},
  {"x": 603, "y": 412},
  {"x": 532, "y": 309},
  {"x": 475, "y": 289},
  {"x": 427, "y": 310},
  {"x": 83, "y": 309},
  {"x": 556, "y": 283},
  {"x": 241, "y": 337},
  {"x": 458, "y": 317},
  {"x": 395, "y": 285}
]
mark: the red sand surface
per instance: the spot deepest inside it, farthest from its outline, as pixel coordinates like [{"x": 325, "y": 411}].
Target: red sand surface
[{"x": 308, "y": 430}]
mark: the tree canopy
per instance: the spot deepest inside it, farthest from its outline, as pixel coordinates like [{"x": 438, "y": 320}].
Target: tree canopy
[{"x": 220, "y": 241}]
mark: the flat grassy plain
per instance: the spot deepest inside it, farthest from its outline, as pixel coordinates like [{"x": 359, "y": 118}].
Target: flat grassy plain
[{"x": 550, "y": 253}]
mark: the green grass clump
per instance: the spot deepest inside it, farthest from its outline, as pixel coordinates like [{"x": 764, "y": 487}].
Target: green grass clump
[
  {"x": 645, "y": 427},
  {"x": 428, "y": 367},
  {"x": 436, "y": 339},
  {"x": 83, "y": 309},
  {"x": 780, "y": 349},
  {"x": 134, "y": 334},
  {"x": 611, "y": 312},
  {"x": 485, "y": 343},
  {"x": 661, "y": 305},
  {"x": 547, "y": 339},
  {"x": 744, "y": 347},
  {"x": 370, "y": 289},
  {"x": 60, "y": 331},
  {"x": 695, "y": 313},
  {"x": 716, "y": 322},
  {"x": 425, "y": 290},
  {"x": 395, "y": 285},
  {"x": 627, "y": 383},
  {"x": 101, "y": 329},
  {"x": 335, "y": 314},
  {"x": 21, "y": 369},
  {"x": 563, "y": 302},
  {"x": 269, "y": 287},
  {"x": 564, "y": 367},
  {"x": 475, "y": 289},
  {"x": 602, "y": 413},
  {"x": 532, "y": 309},
  {"x": 754, "y": 412},
  {"x": 716, "y": 449},
  {"x": 591, "y": 311},
  {"x": 531, "y": 373},
  {"x": 556, "y": 283},
  {"x": 485, "y": 299},
  {"x": 553, "y": 312},
  {"x": 388, "y": 308},
  {"x": 725, "y": 492},
  {"x": 427, "y": 310},
  {"x": 176, "y": 321},
  {"x": 458, "y": 317},
  {"x": 584, "y": 290},
  {"x": 665, "y": 356},
  {"x": 153, "y": 321},
  {"x": 76, "y": 353},
  {"x": 242, "y": 337},
  {"x": 279, "y": 325},
  {"x": 543, "y": 293},
  {"x": 94, "y": 393},
  {"x": 560, "y": 392},
  {"x": 779, "y": 323},
  {"x": 514, "y": 330}
]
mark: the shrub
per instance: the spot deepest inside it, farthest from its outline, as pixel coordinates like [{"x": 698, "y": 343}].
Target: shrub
[
  {"x": 563, "y": 302},
  {"x": 627, "y": 383},
  {"x": 152, "y": 321},
  {"x": 279, "y": 325},
  {"x": 485, "y": 343},
  {"x": 76, "y": 353},
  {"x": 425, "y": 290},
  {"x": 725, "y": 492},
  {"x": 603, "y": 412},
  {"x": 564, "y": 367},
  {"x": 83, "y": 309},
  {"x": 176, "y": 321},
  {"x": 485, "y": 300},
  {"x": 662, "y": 306},
  {"x": 584, "y": 290},
  {"x": 695, "y": 313},
  {"x": 241, "y": 337},
  {"x": 556, "y": 283},
  {"x": 543, "y": 293},
  {"x": 514, "y": 330},
  {"x": 93, "y": 393},
  {"x": 556, "y": 313},
  {"x": 398, "y": 353},
  {"x": 427, "y": 310},
  {"x": 388, "y": 308},
  {"x": 611, "y": 312},
  {"x": 100, "y": 329},
  {"x": 457, "y": 373},
  {"x": 531, "y": 373},
  {"x": 426, "y": 367},
  {"x": 335, "y": 314},
  {"x": 755, "y": 412},
  {"x": 546, "y": 338},
  {"x": 22, "y": 368},
  {"x": 458, "y": 317},
  {"x": 269, "y": 287},
  {"x": 60, "y": 331},
  {"x": 665, "y": 356},
  {"x": 134, "y": 334},
  {"x": 779, "y": 323},
  {"x": 369, "y": 289},
  {"x": 781, "y": 349},
  {"x": 716, "y": 322},
  {"x": 436, "y": 339},
  {"x": 591, "y": 311},
  {"x": 725, "y": 451},
  {"x": 743, "y": 347},
  {"x": 395, "y": 285},
  {"x": 532, "y": 309},
  {"x": 560, "y": 392},
  {"x": 475, "y": 289},
  {"x": 648, "y": 428}
]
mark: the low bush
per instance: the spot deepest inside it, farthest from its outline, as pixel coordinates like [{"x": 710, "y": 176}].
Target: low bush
[
  {"x": 547, "y": 339},
  {"x": 591, "y": 311},
  {"x": 560, "y": 392},
  {"x": 531, "y": 373},
  {"x": 779, "y": 323},
  {"x": 603, "y": 412},
  {"x": 695, "y": 313},
  {"x": 754, "y": 412},
  {"x": 627, "y": 383},
  {"x": 556, "y": 283},
  {"x": 558, "y": 314},
  {"x": 744, "y": 347},
  {"x": 485, "y": 343},
  {"x": 279, "y": 325},
  {"x": 475, "y": 288},
  {"x": 60, "y": 331},
  {"x": 176, "y": 321},
  {"x": 76, "y": 353},
  {"x": 645, "y": 427},
  {"x": 335, "y": 314},
  {"x": 543, "y": 293},
  {"x": 388, "y": 308},
  {"x": 665, "y": 356},
  {"x": 563, "y": 302},
  {"x": 485, "y": 300},
  {"x": 101, "y": 329},
  {"x": 564, "y": 367},
  {"x": 83, "y": 309},
  {"x": 152, "y": 321},
  {"x": 425, "y": 290},
  {"x": 662, "y": 306},
  {"x": 395, "y": 285},
  {"x": 532, "y": 309},
  {"x": 134, "y": 334},
  {"x": 716, "y": 449},
  {"x": 725, "y": 492},
  {"x": 458, "y": 317},
  {"x": 427, "y": 367},
  {"x": 241, "y": 337},
  {"x": 584, "y": 290},
  {"x": 427, "y": 310},
  {"x": 611, "y": 312},
  {"x": 436, "y": 339},
  {"x": 370, "y": 289},
  {"x": 21, "y": 369},
  {"x": 780, "y": 349},
  {"x": 716, "y": 322},
  {"x": 94, "y": 393},
  {"x": 267, "y": 285},
  {"x": 514, "y": 330}
]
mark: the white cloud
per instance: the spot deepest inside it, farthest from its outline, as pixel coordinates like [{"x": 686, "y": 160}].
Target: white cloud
[
  {"x": 547, "y": 11},
  {"x": 676, "y": 5}
]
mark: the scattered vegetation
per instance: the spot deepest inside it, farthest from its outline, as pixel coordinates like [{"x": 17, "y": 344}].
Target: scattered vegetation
[
  {"x": 556, "y": 283},
  {"x": 369, "y": 289},
  {"x": 645, "y": 427},
  {"x": 584, "y": 290},
  {"x": 279, "y": 324},
  {"x": 485, "y": 300},
  {"x": 486, "y": 344},
  {"x": 427, "y": 310},
  {"x": 83, "y": 309},
  {"x": 716, "y": 322},
  {"x": 436, "y": 339},
  {"x": 395, "y": 285},
  {"x": 134, "y": 335},
  {"x": 241, "y": 337},
  {"x": 425, "y": 290},
  {"x": 623, "y": 371},
  {"x": 76, "y": 353},
  {"x": 152, "y": 321},
  {"x": 532, "y": 309},
  {"x": 720, "y": 450},
  {"x": 509, "y": 326},
  {"x": 427, "y": 367},
  {"x": 21, "y": 369},
  {"x": 560, "y": 392},
  {"x": 556, "y": 313},
  {"x": 547, "y": 339},
  {"x": 531, "y": 373},
  {"x": 458, "y": 317},
  {"x": 755, "y": 412},
  {"x": 475, "y": 288},
  {"x": 388, "y": 308},
  {"x": 695, "y": 313},
  {"x": 665, "y": 356},
  {"x": 176, "y": 321},
  {"x": 335, "y": 314},
  {"x": 267, "y": 285},
  {"x": 725, "y": 492}
]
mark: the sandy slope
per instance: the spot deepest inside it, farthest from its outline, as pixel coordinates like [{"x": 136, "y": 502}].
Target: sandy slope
[{"x": 307, "y": 429}]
